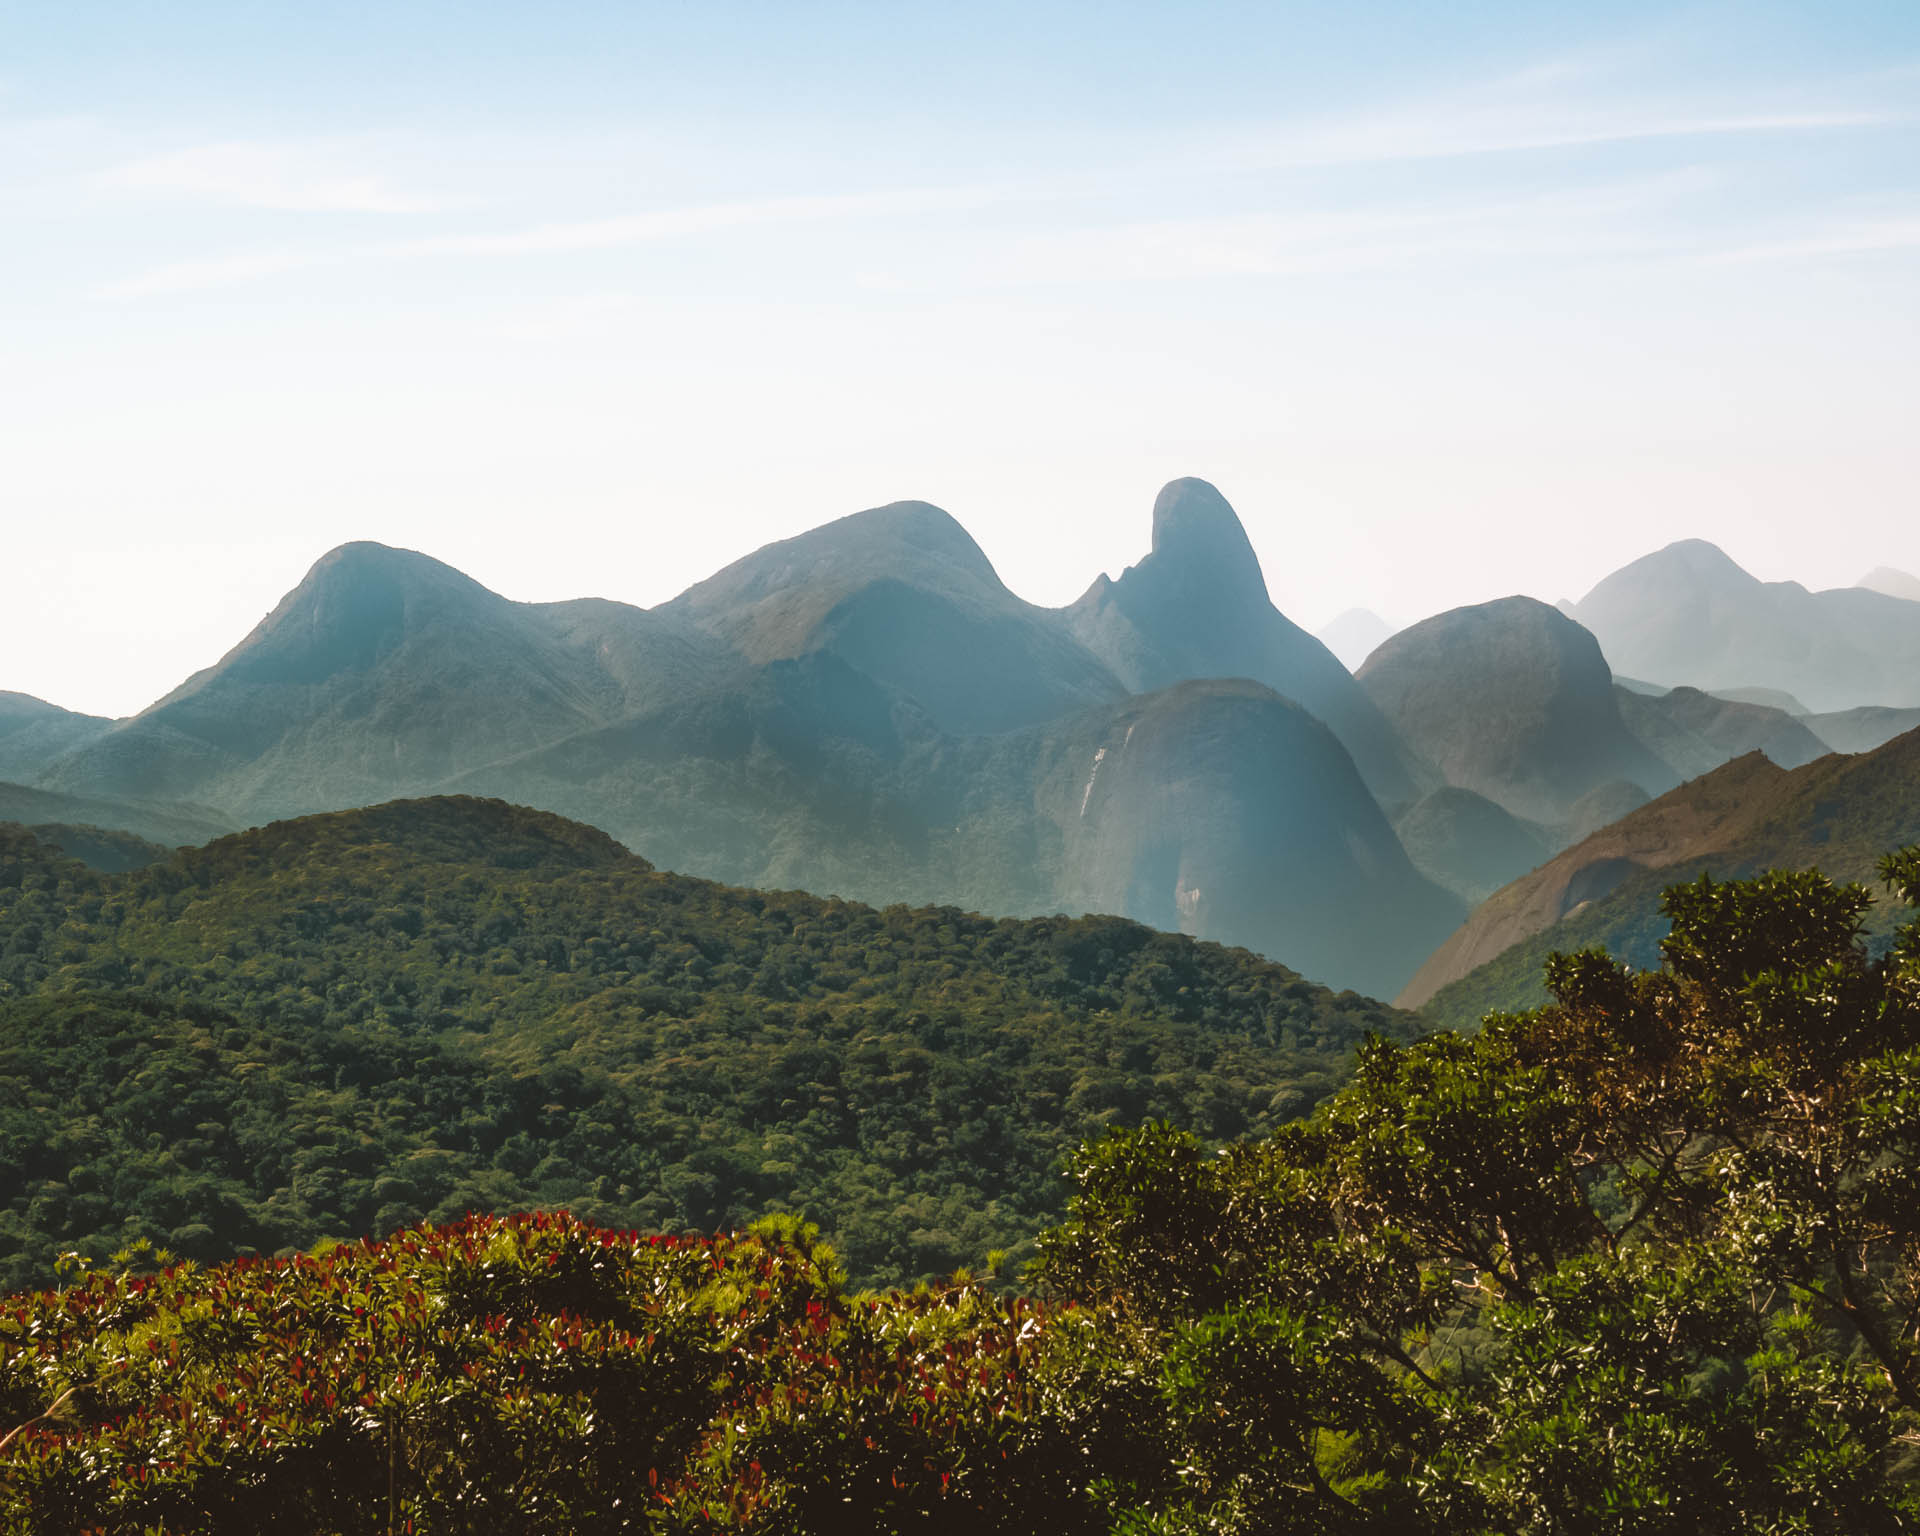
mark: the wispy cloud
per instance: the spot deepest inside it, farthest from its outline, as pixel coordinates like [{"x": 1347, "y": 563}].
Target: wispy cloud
[
  {"x": 1609, "y": 220},
  {"x": 676, "y": 223},
  {"x": 1570, "y": 103},
  {"x": 628, "y": 230},
  {"x": 282, "y": 177},
  {"x": 1443, "y": 134},
  {"x": 218, "y": 272},
  {"x": 1859, "y": 238}
]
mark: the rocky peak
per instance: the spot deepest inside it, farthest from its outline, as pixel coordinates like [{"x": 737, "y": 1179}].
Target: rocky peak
[{"x": 1200, "y": 545}]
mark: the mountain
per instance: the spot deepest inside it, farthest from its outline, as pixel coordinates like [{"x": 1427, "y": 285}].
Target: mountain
[
  {"x": 1884, "y": 578},
  {"x": 1196, "y": 606},
  {"x": 903, "y": 594},
  {"x": 32, "y": 732},
  {"x": 1694, "y": 732},
  {"x": 1223, "y": 810},
  {"x": 1861, "y": 730},
  {"x": 1687, "y": 614},
  {"x": 1512, "y": 700},
  {"x": 338, "y": 1024},
  {"x": 383, "y": 672},
  {"x": 1839, "y": 813},
  {"x": 1354, "y": 636}
]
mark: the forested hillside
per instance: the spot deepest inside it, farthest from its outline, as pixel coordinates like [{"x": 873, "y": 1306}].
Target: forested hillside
[{"x": 339, "y": 1025}]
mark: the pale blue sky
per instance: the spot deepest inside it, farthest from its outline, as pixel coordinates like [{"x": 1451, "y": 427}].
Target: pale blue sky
[{"x": 1450, "y": 300}]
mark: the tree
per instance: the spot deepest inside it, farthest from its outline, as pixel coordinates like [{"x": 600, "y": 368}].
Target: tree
[{"x": 1646, "y": 1259}]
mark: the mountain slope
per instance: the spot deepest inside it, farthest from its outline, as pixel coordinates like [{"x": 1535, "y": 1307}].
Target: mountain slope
[
  {"x": 1512, "y": 700},
  {"x": 1466, "y": 844},
  {"x": 1695, "y": 732},
  {"x": 338, "y": 1024},
  {"x": 1197, "y": 607},
  {"x": 903, "y": 594},
  {"x": 1839, "y": 813},
  {"x": 1689, "y": 615}
]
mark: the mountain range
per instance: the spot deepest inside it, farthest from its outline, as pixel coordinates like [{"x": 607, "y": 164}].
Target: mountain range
[{"x": 867, "y": 709}]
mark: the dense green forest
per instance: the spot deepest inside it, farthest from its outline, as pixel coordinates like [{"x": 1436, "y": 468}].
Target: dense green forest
[
  {"x": 1643, "y": 1262},
  {"x": 341, "y": 1025}
]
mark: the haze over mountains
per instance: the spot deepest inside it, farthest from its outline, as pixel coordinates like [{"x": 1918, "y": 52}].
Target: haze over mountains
[
  {"x": 867, "y": 709},
  {"x": 1688, "y": 614}
]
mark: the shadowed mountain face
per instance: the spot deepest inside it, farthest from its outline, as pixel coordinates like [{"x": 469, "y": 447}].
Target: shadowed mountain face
[
  {"x": 1688, "y": 614},
  {"x": 1222, "y": 810},
  {"x": 1838, "y": 812},
  {"x": 903, "y": 594},
  {"x": 1197, "y": 607},
  {"x": 1512, "y": 700}
]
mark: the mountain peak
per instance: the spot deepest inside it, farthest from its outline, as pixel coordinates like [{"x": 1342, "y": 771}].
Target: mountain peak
[
  {"x": 1694, "y": 562},
  {"x": 352, "y": 607},
  {"x": 1199, "y": 535}
]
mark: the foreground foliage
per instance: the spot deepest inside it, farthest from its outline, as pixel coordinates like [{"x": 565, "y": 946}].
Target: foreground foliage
[
  {"x": 538, "y": 1374},
  {"x": 1647, "y": 1259}
]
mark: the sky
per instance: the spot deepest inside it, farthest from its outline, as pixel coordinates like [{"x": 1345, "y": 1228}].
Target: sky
[{"x": 1451, "y": 301}]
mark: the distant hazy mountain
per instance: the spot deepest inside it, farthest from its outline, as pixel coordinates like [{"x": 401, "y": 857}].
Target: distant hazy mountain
[
  {"x": 1839, "y": 813},
  {"x": 1197, "y": 606},
  {"x": 1355, "y": 636},
  {"x": 1688, "y": 615},
  {"x": 903, "y": 594},
  {"x": 1861, "y": 730},
  {"x": 1694, "y": 732},
  {"x": 1512, "y": 700},
  {"x": 1771, "y": 698},
  {"x": 1884, "y": 578},
  {"x": 33, "y": 731}
]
